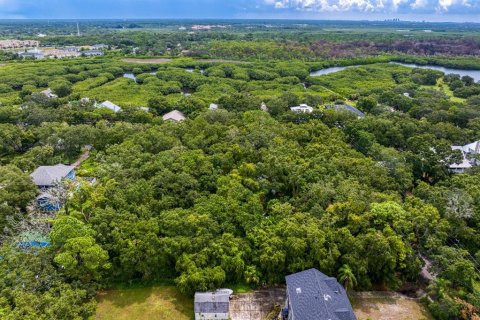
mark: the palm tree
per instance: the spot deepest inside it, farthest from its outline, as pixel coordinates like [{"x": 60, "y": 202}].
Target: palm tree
[{"x": 346, "y": 276}]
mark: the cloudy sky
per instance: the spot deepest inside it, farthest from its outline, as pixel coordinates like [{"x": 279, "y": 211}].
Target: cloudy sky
[{"x": 432, "y": 10}]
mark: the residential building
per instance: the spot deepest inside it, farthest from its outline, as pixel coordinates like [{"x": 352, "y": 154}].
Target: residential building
[
  {"x": 311, "y": 295},
  {"x": 302, "y": 108},
  {"x": 347, "y": 108},
  {"x": 213, "y": 106},
  {"x": 100, "y": 46},
  {"x": 92, "y": 53},
  {"x": 109, "y": 105},
  {"x": 34, "y": 54},
  {"x": 212, "y": 305},
  {"x": 46, "y": 179},
  {"x": 174, "y": 115},
  {"x": 470, "y": 152}
]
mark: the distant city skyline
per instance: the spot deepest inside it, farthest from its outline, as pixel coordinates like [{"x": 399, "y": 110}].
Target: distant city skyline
[{"x": 413, "y": 10}]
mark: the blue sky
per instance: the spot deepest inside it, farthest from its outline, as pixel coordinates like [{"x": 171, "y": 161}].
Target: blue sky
[{"x": 432, "y": 10}]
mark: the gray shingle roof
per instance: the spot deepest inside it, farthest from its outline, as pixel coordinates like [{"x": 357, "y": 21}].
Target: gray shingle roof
[
  {"x": 315, "y": 296},
  {"x": 212, "y": 302},
  {"x": 48, "y": 175}
]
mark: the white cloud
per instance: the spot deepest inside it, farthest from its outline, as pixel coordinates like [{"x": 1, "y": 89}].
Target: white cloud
[
  {"x": 419, "y": 4},
  {"x": 368, "y": 5}
]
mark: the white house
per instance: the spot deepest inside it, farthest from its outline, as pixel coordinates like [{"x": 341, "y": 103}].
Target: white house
[
  {"x": 109, "y": 105},
  {"x": 212, "y": 305},
  {"x": 213, "y": 106},
  {"x": 174, "y": 115},
  {"x": 302, "y": 108},
  {"x": 469, "y": 152}
]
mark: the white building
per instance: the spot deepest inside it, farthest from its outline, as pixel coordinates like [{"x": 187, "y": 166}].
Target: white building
[
  {"x": 213, "y": 106},
  {"x": 302, "y": 108},
  {"x": 469, "y": 152},
  {"x": 212, "y": 305}
]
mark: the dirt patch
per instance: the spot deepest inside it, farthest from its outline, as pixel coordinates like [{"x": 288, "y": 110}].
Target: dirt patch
[
  {"x": 256, "y": 305},
  {"x": 388, "y": 306},
  {"x": 147, "y": 61}
]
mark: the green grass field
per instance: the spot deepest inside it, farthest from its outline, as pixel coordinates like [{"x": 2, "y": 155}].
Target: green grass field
[{"x": 151, "y": 303}]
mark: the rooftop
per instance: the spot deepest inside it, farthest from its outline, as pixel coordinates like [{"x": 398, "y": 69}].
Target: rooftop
[
  {"x": 48, "y": 175},
  {"x": 174, "y": 115},
  {"x": 313, "y": 295},
  {"x": 213, "y": 302}
]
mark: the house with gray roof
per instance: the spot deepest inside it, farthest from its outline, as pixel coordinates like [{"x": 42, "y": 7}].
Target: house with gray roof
[
  {"x": 312, "y": 295},
  {"x": 47, "y": 176},
  {"x": 212, "y": 305},
  {"x": 347, "y": 108}
]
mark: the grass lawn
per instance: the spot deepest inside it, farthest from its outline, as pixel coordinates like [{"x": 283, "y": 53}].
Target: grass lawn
[
  {"x": 387, "y": 306},
  {"x": 152, "y": 303}
]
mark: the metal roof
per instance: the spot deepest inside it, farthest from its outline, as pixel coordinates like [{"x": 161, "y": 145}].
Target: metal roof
[
  {"x": 174, "y": 115},
  {"x": 48, "y": 175},
  {"x": 110, "y": 105},
  {"x": 313, "y": 295},
  {"x": 212, "y": 302},
  {"x": 348, "y": 108}
]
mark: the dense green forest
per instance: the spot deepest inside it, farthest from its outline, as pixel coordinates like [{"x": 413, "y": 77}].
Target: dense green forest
[{"x": 238, "y": 195}]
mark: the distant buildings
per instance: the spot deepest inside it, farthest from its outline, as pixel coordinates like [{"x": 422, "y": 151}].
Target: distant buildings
[
  {"x": 175, "y": 116},
  {"x": 471, "y": 157},
  {"x": 17, "y": 44},
  {"x": 92, "y": 53},
  {"x": 212, "y": 305},
  {"x": 302, "y": 108},
  {"x": 213, "y": 106},
  {"x": 311, "y": 295},
  {"x": 32, "y": 54}
]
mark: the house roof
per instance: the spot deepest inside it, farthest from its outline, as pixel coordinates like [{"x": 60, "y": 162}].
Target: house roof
[
  {"x": 174, "y": 115},
  {"x": 471, "y": 148},
  {"x": 212, "y": 302},
  {"x": 110, "y": 105},
  {"x": 303, "y": 108},
  {"x": 348, "y": 108},
  {"x": 48, "y": 175},
  {"x": 313, "y": 295}
]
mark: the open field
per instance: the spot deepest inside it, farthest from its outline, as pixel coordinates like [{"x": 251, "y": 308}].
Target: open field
[
  {"x": 155, "y": 303},
  {"x": 388, "y": 306}
]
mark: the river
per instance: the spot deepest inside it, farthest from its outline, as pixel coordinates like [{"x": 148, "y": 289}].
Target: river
[{"x": 475, "y": 74}]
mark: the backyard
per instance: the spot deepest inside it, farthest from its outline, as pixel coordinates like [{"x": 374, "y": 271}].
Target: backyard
[
  {"x": 153, "y": 303},
  {"x": 388, "y": 306}
]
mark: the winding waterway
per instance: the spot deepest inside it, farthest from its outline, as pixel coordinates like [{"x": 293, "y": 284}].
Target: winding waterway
[{"x": 475, "y": 74}]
